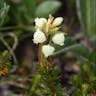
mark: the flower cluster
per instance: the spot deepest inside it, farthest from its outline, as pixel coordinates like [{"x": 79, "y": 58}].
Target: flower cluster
[{"x": 47, "y": 32}]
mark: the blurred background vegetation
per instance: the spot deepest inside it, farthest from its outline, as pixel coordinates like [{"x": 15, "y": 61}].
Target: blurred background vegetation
[{"x": 76, "y": 59}]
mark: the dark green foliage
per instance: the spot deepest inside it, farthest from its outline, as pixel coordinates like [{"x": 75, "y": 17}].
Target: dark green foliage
[
  {"x": 46, "y": 83},
  {"x": 3, "y": 13},
  {"x": 86, "y": 82},
  {"x": 23, "y": 12}
]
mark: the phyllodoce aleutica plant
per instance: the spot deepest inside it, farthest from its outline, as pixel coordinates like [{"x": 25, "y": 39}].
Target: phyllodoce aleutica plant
[{"x": 46, "y": 36}]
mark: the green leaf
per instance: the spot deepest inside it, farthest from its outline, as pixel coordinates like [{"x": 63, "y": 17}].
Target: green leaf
[
  {"x": 93, "y": 56},
  {"x": 47, "y": 7},
  {"x": 79, "y": 49},
  {"x": 87, "y": 14},
  {"x": 3, "y": 13},
  {"x": 30, "y": 7}
]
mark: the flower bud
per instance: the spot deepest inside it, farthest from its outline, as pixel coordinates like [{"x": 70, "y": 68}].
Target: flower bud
[
  {"x": 40, "y": 22},
  {"x": 39, "y": 37},
  {"x": 59, "y": 39},
  {"x": 57, "y": 21},
  {"x": 48, "y": 50}
]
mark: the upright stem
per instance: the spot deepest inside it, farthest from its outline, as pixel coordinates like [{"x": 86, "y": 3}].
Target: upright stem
[
  {"x": 40, "y": 55},
  {"x": 46, "y": 64}
]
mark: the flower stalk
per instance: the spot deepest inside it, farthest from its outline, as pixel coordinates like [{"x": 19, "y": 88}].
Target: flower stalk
[{"x": 47, "y": 35}]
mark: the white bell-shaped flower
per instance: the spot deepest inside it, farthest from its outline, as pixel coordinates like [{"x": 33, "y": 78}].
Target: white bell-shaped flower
[
  {"x": 59, "y": 39},
  {"x": 40, "y": 22},
  {"x": 57, "y": 21},
  {"x": 39, "y": 37},
  {"x": 48, "y": 50}
]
